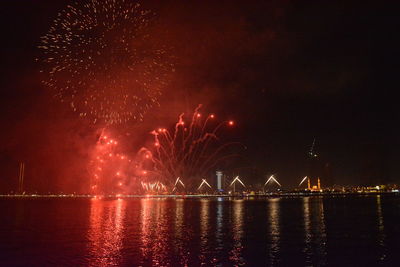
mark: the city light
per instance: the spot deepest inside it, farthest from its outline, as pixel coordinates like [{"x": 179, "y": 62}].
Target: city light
[
  {"x": 203, "y": 181},
  {"x": 272, "y": 178},
  {"x": 237, "y": 180},
  {"x": 302, "y": 181}
]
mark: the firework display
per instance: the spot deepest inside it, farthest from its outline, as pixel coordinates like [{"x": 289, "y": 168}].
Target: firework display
[
  {"x": 100, "y": 58},
  {"x": 110, "y": 169},
  {"x": 189, "y": 152},
  {"x": 178, "y": 160},
  {"x": 114, "y": 172},
  {"x": 153, "y": 188}
]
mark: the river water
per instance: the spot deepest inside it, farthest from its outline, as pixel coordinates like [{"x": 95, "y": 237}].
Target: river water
[{"x": 300, "y": 231}]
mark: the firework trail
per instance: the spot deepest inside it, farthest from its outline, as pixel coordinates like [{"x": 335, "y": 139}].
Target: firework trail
[
  {"x": 190, "y": 151},
  {"x": 99, "y": 57},
  {"x": 179, "y": 160}
]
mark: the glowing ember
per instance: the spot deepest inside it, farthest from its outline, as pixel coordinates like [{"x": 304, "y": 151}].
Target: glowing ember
[
  {"x": 109, "y": 172},
  {"x": 99, "y": 57},
  {"x": 188, "y": 152}
]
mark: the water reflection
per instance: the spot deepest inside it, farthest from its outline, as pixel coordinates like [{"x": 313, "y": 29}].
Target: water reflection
[
  {"x": 321, "y": 232},
  {"x": 162, "y": 232},
  {"x": 219, "y": 236},
  {"x": 145, "y": 223},
  {"x": 154, "y": 232},
  {"x": 161, "y": 235},
  {"x": 315, "y": 231},
  {"x": 180, "y": 235},
  {"x": 204, "y": 230},
  {"x": 106, "y": 232},
  {"x": 307, "y": 230},
  {"x": 237, "y": 230},
  {"x": 274, "y": 230},
  {"x": 381, "y": 229}
]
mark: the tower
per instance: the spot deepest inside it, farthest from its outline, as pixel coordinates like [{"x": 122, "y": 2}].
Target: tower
[{"x": 219, "y": 181}]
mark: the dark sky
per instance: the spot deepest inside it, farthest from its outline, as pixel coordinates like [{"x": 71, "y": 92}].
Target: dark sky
[{"x": 286, "y": 71}]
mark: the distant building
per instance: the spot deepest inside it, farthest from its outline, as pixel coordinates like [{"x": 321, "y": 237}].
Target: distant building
[{"x": 219, "y": 181}]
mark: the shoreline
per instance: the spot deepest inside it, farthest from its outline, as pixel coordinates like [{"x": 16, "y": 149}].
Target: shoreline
[{"x": 194, "y": 196}]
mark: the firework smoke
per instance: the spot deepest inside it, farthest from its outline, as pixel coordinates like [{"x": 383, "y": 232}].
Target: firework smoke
[
  {"x": 115, "y": 172},
  {"x": 190, "y": 151},
  {"x": 179, "y": 160},
  {"x": 110, "y": 169}
]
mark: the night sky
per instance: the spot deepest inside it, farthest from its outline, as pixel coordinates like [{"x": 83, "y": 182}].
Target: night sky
[{"x": 286, "y": 71}]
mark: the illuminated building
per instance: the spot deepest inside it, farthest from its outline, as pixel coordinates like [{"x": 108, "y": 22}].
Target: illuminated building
[
  {"x": 219, "y": 181},
  {"x": 314, "y": 187}
]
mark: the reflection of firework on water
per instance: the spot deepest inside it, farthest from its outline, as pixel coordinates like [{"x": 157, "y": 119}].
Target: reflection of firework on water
[
  {"x": 189, "y": 152},
  {"x": 99, "y": 58}
]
